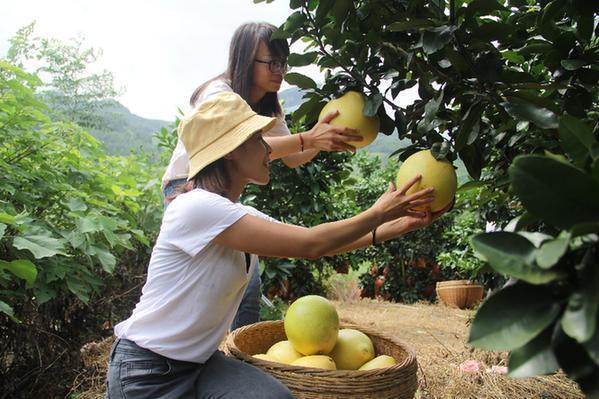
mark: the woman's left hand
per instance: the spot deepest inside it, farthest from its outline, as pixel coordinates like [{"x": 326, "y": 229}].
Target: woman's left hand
[
  {"x": 326, "y": 137},
  {"x": 414, "y": 221}
]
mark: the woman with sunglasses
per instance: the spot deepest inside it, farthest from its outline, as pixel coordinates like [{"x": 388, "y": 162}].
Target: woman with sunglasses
[
  {"x": 255, "y": 71},
  {"x": 200, "y": 264}
]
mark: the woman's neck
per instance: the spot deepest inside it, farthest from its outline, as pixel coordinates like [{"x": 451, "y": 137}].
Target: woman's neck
[
  {"x": 235, "y": 189},
  {"x": 256, "y": 94}
]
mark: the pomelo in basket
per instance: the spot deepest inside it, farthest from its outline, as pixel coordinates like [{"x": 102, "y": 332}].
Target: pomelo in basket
[
  {"x": 438, "y": 174},
  {"x": 353, "y": 349},
  {"x": 264, "y": 356},
  {"x": 316, "y": 361},
  {"x": 283, "y": 352},
  {"x": 379, "y": 362},
  {"x": 311, "y": 325},
  {"x": 351, "y": 114}
]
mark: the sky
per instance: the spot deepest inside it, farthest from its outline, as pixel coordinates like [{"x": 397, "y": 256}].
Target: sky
[{"x": 159, "y": 51}]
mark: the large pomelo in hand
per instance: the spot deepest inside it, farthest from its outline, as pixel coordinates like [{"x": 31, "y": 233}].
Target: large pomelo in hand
[
  {"x": 351, "y": 114},
  {"x": 352, "y": 350},
  {"x": 438, "y": 174},
  {"x": 316, "y": 361},
  {"x": 283, "y": 352},
  {"x": 312, "y": 324}
]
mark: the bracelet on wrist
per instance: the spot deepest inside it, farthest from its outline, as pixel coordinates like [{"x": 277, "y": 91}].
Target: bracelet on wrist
[{"x": 374, "y": 236}]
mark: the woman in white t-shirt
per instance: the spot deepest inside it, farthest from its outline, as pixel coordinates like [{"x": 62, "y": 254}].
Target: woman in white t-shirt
[
  {"x": 255, "y": 71},
  {"x": 199, "y": 266}
]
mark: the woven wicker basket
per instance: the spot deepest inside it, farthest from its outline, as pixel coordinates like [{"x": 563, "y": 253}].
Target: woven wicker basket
[
  {"x": 396, "y": 382},
  {"x": 459, "y": 293}
]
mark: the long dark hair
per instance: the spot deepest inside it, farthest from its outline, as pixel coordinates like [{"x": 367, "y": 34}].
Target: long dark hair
[{"x": 239, "y": 73}]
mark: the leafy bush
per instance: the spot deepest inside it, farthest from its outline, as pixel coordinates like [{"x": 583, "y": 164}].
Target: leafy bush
[
  {"x": 458, "y": 258},
  {"x": 69, "y": 218},
  {"x": 554, "y": 317}
]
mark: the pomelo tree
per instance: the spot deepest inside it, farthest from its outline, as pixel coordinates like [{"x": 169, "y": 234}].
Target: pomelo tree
[{"x": 510, "y": 88}]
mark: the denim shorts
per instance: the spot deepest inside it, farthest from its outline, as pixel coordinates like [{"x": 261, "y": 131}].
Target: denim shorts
[{"x": 136, "y": 373}]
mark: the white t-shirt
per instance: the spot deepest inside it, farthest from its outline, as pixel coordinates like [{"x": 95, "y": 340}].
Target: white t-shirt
[
  {"x": 194, "y": 286},
  {"x": 178, "y": 167}
]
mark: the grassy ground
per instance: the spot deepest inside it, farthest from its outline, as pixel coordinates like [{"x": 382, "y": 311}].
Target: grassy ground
[{"x": 438, "y": 335}]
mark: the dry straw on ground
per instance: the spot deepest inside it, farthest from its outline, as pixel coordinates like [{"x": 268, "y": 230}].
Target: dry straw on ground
[{"x": 437, "y": 333}]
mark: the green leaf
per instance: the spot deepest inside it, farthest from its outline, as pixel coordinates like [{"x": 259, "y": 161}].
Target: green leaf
[
  {"x": 302, "y": 59},
  {"x": 574, "y": 360},
  {"x": 483, "y": 7},
  {"x": 6, "y": 218},
  {"x": 572, "y": 65},
  {"x": 469, "y": 126},
  {"x": 78, "y": 288},
  {"x": 141, "y": 237},
  {"x": 534, "y": 358},
  {"x": 576, "y": 138},
  {"x": 512, "y": 254},
  {"x": 592, "y": 347},
  {"x": 87, "y": 225},
  {"x": 2, "y": 229},
  {"x": 41, "y": 246},
  {"x": 580, "y": 320},
  {"x": 372, "y": 104},
  {"x": 107, "y": 259},
  {"x": 8, "y": 310},
  {"x": 22, "y": 268},
  {"x": 512, "y": 317},
  {"x": 76, "y": 205},
  {"x": 551, "y": 251},
  {"x": 301, "y": 81},
  {"x": 559, "y": 193},
  {"x": 471, "y": 185},
  {"x": 542, "y": 117},
  {"x": 435, "y": 39},
  {"x": 402, "y": 26}
]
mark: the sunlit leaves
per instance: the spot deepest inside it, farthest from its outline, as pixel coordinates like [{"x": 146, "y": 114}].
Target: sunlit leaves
[
  {"x": 512, "y": 255},
  {"x": 301, "y": 81},
  {"x": 21, "y": 268}
]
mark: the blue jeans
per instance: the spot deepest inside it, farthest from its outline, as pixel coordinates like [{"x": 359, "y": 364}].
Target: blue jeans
[
  {"x": 136, "y": 373},
  {"x": 249, "y": 308}
]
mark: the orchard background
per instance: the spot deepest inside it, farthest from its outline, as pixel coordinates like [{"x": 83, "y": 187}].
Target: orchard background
[{"x": 506, "y": 88}]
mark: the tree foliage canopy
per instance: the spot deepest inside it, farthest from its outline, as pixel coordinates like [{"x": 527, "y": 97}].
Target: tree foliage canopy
[{"x": 497, "y": 81}]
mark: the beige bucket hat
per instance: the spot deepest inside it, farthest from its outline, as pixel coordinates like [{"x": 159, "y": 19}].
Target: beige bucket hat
[{"x": 216, "y": 127}]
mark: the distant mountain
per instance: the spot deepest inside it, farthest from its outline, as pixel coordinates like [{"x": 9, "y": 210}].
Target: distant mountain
[
  {"x": 125, "y": 132},
  {"x": 291, "y": 99}
]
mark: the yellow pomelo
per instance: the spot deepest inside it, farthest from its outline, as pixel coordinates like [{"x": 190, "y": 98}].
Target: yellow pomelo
[
  {"x": 353, "y": 349},
  {"x": 283, "y": 352},
  {"x": 264, "y": 356},
  {"x": 312, "y": 324},
  {"x": 379, "y": 362},
  {"x": 316, "y": 361},
  {"x": 351, "y": 114},
  {"x": 437, "y": 174}
]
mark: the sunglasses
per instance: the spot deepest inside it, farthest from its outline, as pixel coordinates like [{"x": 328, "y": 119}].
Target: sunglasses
[{"x": 275, "y": 66}]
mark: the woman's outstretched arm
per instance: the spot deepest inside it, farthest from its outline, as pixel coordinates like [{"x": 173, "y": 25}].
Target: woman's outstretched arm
[
  {"x": 258, "y": 236},
  {"x": 322, "y": 137}
]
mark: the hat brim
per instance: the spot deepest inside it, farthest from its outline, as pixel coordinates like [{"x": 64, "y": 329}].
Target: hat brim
[{"x": 228, "y": 142}]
